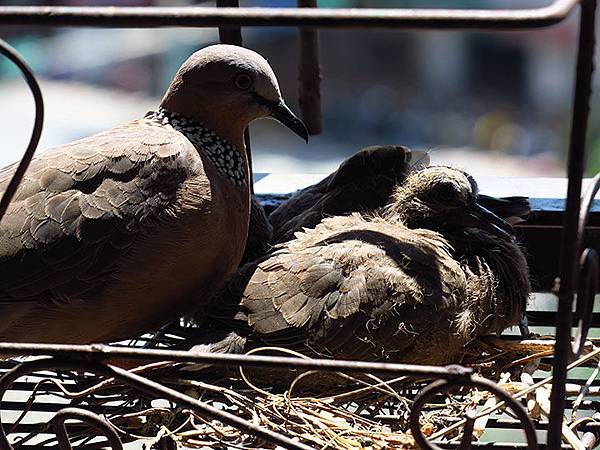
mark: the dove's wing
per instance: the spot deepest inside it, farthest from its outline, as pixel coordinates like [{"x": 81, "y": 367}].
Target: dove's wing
[
  {"x": 389, "y": 160},
  {"x": 362, "y": 183},
  {"x": 367, "y": 292},
  {"x": 364, "y": 195},
  {"x": 82, "y": 204}
]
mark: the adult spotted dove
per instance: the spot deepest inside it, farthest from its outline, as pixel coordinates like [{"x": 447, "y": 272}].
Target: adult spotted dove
[
  {"x": 108, "y": 236},
  {"x": 412, "y": 285}
]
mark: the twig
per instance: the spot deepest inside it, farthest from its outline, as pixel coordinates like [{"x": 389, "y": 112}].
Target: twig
[{"x": 584, "y": 391}]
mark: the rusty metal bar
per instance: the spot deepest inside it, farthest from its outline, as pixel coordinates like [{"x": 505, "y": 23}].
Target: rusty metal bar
[
  {"x": 310, "y": 76},
  {"x": 87, "y": 417},
  {"x": 587, "y": 288},
  {"x": 569, "y": 257},
  {"x": 98, "y": 352},
  {"x": 586, "y": 208},
  {"x": 233, "y": 35},
  {"x": 150, "y": 17}
]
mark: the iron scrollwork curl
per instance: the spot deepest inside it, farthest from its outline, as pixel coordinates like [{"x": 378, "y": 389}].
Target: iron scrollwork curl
[
  {"x": 58, "y": 422},
  {"x": 440, "y": 386},
  {"x": 88, "y": 417},
  {"x": 32, "y": 83},
  {"x": 588, "y": 272}
]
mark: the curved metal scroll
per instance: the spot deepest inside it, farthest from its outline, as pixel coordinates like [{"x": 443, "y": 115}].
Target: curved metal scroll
[
  {"x": 439, "y": 386},
  {"x": 11, "y": 53},
  {"x": 588, "y": 273},
  {"x": 58, "y": 422},
  {"x": 587, "y": 287},
  {"x": 88, "y": 417}
]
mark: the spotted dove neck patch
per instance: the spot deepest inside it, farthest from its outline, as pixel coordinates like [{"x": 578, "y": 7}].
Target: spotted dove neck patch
[{"x": 222, "y": 154}]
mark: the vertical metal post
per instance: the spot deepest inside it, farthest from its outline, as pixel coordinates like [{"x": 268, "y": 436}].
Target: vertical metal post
[
  {"x": 565, "y": 284},
  {"x": 233, "y": 35},
  {"x": 230, "y": 35},
  {"x": 310, "y": 75}
]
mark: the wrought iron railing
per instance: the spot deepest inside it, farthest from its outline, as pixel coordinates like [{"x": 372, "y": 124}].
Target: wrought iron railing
[{"x": 578, "y": 272}]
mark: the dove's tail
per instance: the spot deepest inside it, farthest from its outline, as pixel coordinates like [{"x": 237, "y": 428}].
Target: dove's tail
[
  {"x": 230, "y": 342},
  {"x": 218, "y": 341}
]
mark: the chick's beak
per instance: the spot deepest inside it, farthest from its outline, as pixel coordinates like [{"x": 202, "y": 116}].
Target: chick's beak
[
  {"x": 480, "y": 217},
  {"x": 284, "y": 115},
  {"x": 476, "y": 216}
]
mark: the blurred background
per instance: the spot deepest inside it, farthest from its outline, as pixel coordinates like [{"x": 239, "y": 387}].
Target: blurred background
[{"x": 496, "y": 103}]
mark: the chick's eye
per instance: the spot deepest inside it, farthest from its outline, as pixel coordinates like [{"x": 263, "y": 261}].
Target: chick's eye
[
  {"x": 446, "y": 193},
  {"x": 243, "y": 81}
]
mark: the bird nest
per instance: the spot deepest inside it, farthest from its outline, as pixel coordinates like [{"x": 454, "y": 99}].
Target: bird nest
[{"x": 336, "y": 411}]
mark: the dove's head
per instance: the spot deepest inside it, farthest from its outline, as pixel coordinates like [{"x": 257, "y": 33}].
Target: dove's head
[
  {"x": 445, "y": 199},
  {"x": 226, "y": 87}
]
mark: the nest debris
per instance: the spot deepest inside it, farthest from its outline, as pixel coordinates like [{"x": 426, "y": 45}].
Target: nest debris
[{"x": 355, "y": 413}]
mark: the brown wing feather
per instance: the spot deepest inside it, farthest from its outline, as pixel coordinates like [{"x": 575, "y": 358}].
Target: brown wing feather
[
  {"x": 362, "y": 183},
  {"x": 367, "y": 292},
  {"x": 364, "y": 195},
  {"x": 80, "y": 205}
]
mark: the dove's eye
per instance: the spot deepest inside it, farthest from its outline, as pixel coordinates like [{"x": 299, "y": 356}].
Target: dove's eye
[{"x": 243, "y": 81}]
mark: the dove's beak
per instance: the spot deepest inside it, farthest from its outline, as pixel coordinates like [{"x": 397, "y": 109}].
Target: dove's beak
[
  {"x": 476, "y": 216},
  {"x": 279, "y": 111},
  {"x": 479, "y": 217},
  {"x": 285, "y": 116}
]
